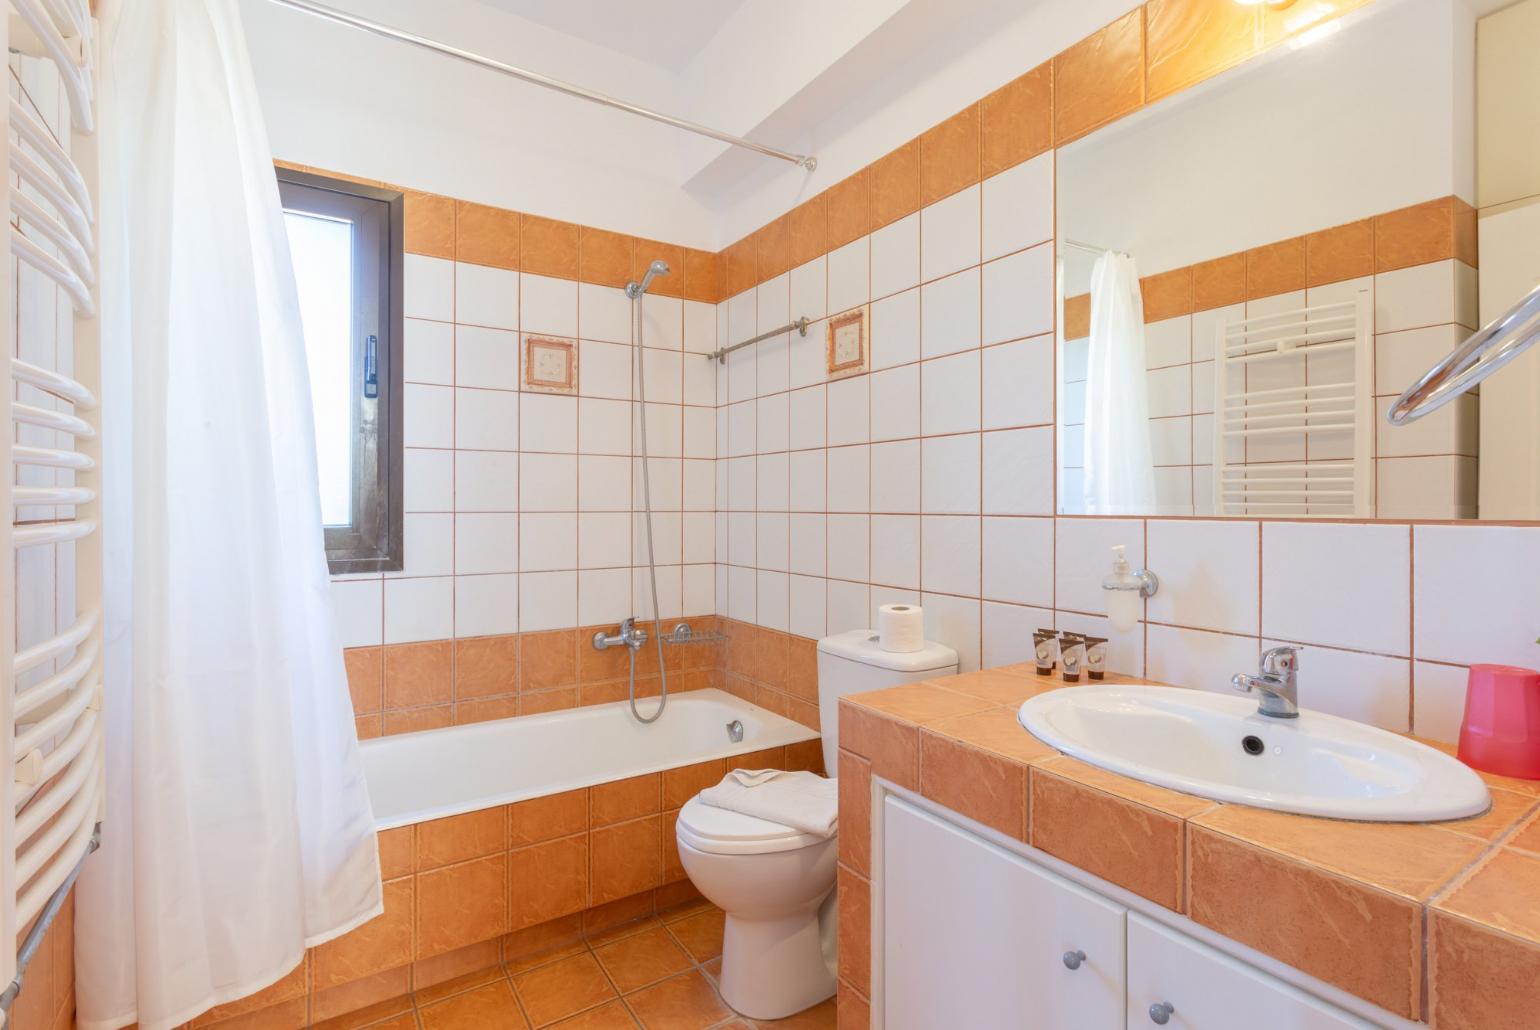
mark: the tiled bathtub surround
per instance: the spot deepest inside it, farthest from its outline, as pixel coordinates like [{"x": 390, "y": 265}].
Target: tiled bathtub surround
[
  {"x": 1417, "y": 266},
  {"x": 1430, "y": 921},
  {"x": 500, "y": 885}
]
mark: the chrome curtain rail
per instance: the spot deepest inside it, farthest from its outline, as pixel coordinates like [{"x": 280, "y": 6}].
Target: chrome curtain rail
[
  {"x": 1487, "y": 350},
  {"x": 800, "y": 325},
  {"x": 45, "y": 919},
  {"x": 807, "y": 161}
]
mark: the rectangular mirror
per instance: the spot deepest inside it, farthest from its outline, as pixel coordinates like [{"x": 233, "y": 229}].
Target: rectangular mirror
[{"x": 1253, "y": 269}]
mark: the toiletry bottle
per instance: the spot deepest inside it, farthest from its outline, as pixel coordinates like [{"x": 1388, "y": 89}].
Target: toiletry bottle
[
  {"x": 1045, "y": 645},
  {"x": 1096, "y": 658},
  {"x": 1072, "y": 651}
]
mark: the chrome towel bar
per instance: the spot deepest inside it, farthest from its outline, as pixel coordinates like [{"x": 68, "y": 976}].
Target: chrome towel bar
[
  {"x": 800, "y": 325},
  {"x": 1487, "y": 350}
]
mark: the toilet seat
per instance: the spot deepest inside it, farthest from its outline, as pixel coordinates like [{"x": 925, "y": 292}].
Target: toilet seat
[{"x": 717, "y": 831}]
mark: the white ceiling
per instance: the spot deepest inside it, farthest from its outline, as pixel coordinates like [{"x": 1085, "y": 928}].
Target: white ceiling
[{"x": 662, "y": 32}]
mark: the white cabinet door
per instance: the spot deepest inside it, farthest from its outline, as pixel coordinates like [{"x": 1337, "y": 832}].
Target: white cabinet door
[
  {"x": 975, "y": 937},
  {"x": 1207, "y": 990}
]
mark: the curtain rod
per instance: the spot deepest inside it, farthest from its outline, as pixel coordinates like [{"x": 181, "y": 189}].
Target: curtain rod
[{"x": 807, "y": 161}]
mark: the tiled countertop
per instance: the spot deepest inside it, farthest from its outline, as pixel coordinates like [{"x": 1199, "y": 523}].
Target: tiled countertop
[{"x": 1434, "y": 921}]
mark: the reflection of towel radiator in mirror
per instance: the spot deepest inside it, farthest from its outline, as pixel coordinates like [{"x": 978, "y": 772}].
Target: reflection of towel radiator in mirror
[
  {"x": 50, "y": 722},
  {"x": 1316, "y": 423}
]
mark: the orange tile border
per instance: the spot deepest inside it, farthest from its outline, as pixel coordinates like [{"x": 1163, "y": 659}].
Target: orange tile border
[
  {"x": 949, "y": 156},
  {"x": 1192, "y": 40},
  {"x": 1432, "y": 231},
  {"x": 895, "y": 184},
  {"x": 1099, "y": 79},
  {"x": 1017, "y": 121}
]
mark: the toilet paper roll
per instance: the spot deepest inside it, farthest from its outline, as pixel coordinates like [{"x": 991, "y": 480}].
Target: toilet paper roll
[{"x": 900, "y": 627}]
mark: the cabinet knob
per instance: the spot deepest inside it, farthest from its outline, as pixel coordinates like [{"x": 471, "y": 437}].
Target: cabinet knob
[
  {"x": 1072, "y": 959},
  {"x": 1160, "y": 1012}
]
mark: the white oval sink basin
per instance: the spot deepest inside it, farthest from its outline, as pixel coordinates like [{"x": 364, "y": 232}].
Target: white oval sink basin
[{"x": 1197, "y": 742}]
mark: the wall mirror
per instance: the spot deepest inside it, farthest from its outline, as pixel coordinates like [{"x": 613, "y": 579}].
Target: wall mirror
[{"x": 1253, "y": 269}]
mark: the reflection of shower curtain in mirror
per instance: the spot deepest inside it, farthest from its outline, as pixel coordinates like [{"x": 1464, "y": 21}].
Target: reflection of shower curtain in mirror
[{"x": 1119, "y": 471}]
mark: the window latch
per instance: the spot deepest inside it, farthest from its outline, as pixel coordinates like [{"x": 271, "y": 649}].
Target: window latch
[{"x": 371, "y": 367}]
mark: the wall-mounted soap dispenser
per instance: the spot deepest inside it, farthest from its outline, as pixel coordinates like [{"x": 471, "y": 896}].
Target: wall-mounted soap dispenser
[{"x": 1125, "y": 588}]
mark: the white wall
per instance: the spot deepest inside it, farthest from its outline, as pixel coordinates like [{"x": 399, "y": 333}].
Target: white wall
[
  {"x": 953, "y": 57},
  {"x": 1363, "y": 120},
  {"x": 340, "y": 99}
]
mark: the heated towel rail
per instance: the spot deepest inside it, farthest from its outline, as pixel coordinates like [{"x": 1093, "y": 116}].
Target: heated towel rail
[
  {"x": 1293, "y": 413},
  {"x": 50, "y": 721}
]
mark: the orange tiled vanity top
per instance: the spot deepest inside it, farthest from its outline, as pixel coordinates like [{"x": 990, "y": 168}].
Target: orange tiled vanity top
[{"x": 1433, "y": 921}]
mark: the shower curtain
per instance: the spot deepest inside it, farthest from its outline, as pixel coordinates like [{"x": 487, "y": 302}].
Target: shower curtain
[
  {"x": 1119, "y": 471},
  {"x": 238, "y": 830}
]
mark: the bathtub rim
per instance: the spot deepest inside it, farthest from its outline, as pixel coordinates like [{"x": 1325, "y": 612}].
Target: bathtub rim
[{"x": 780, "y": 732}]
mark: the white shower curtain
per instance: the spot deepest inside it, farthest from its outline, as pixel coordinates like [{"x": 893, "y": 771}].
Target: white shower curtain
[
  {"x": 1119, "y": 471},
  {"x": 238, "y": 829}
]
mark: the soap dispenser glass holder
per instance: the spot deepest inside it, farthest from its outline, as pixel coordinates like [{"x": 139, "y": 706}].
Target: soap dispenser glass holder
[{"x": 1126, "y": 588}]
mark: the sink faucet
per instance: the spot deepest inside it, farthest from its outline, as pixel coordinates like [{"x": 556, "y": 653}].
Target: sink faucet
[{"x": 1278, "y": 683}]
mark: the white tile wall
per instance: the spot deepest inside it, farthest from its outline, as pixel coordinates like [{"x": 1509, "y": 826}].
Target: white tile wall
[
  {"x": 929, "y": 479},
  {"x": 509, "y": 494}
]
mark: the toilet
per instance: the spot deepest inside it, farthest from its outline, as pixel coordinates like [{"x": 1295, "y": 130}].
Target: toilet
[{"x": 775, "y": 883}]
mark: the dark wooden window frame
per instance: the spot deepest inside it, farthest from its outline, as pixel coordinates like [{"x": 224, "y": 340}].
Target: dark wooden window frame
[{"x": 373, "y": 540}]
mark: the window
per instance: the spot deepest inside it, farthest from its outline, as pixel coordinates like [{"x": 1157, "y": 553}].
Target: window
[{"x": 345, "y": 241}]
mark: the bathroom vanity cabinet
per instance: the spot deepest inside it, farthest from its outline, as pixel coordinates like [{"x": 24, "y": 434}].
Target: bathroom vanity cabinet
[{"x": 972, "y": 934}]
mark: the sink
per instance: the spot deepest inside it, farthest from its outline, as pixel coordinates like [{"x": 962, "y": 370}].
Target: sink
[{"x": 1219, "y": 747}]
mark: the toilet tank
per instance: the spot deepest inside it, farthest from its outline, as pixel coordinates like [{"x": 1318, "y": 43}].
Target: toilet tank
[{"x": 849, "y": 663}]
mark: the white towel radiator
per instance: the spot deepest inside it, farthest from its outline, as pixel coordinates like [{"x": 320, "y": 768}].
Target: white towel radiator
[
  {"x": 50, "y": 721},
  {"x": 1321, "y": 411}
]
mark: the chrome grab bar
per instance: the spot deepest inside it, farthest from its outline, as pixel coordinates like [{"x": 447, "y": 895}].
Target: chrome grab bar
[{"x": 1487, "y": 350}]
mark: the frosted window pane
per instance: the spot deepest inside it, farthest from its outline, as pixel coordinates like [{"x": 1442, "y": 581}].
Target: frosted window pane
[{"x": 322, "y": 249}]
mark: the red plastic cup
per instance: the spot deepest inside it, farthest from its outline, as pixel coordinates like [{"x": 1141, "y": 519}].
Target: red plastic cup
[{"x": 1501, "y": 731}]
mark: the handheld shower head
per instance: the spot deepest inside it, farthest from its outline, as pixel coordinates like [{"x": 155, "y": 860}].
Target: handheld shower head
[{"x": 657, "y": 268}]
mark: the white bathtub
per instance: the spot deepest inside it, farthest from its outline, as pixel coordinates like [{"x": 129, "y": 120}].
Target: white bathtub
[{"x": 437, "y": 773}]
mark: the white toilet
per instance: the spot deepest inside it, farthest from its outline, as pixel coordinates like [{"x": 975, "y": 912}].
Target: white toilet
[{"x": 775, "y": 883}]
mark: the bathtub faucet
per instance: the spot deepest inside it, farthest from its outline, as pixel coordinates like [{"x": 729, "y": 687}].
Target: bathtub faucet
[{"x": 632, "y": 635}]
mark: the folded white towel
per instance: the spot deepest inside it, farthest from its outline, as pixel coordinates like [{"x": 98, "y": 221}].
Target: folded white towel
[{"x": 803, "y": 801}]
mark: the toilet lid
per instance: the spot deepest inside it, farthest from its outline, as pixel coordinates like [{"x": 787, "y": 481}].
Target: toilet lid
[{"x": 717, "y": 831}]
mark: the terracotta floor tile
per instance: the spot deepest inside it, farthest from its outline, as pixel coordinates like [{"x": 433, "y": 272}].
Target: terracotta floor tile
[
  {"x": 685, "y": 1002},
  {"x": 563, "y": 988},
  {"x": 820, "y": 1017},
  {"x": 685, "y": 911},
  {"x": 458, "y": 985},
  {"x": 642, "y": 959},
  {"x": 405, "y": 1021},
  {"x": 614, "y": 1016},
  {"x": 701, "y": 934},
  {"x": 491, "y": 1007},
  {"x": 385, "y": 1013},
  {"x": 544, "y": 958},
  {"x": 627, "y": 929}
]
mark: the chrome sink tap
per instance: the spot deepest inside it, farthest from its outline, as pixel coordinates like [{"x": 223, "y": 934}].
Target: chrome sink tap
[{"x": 1278, "y": 683}]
